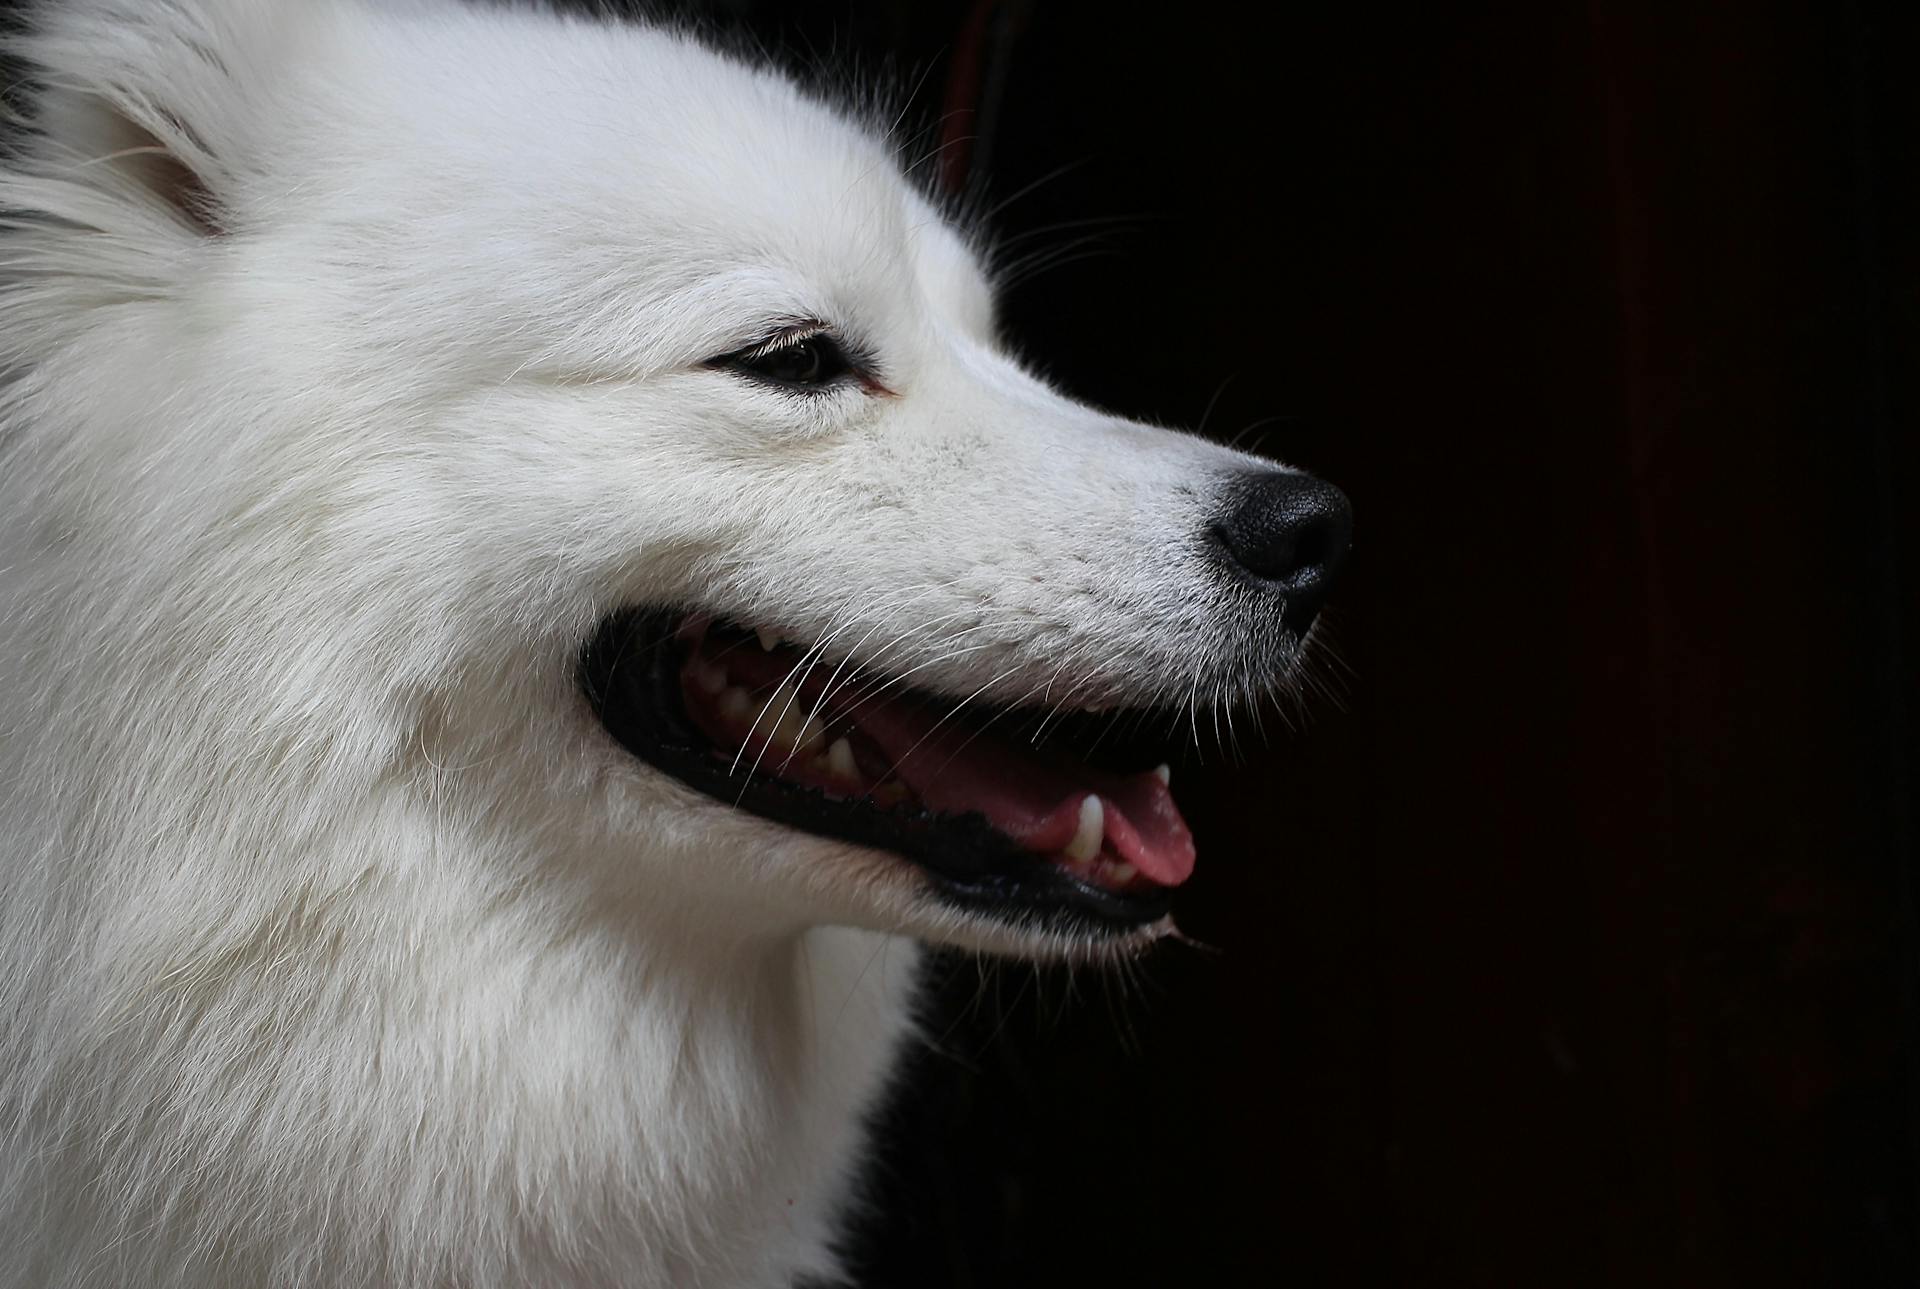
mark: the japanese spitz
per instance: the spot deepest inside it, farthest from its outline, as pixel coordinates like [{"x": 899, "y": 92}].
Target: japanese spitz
[{"x": 530, "y": 583}]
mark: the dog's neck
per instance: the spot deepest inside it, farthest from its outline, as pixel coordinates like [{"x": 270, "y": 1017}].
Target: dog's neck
[
  {"x": 654, "y": 1101},
  {"x": 742, "y": 1062}
]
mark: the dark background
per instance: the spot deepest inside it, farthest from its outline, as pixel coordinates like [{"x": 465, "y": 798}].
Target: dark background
[{"x": 1575, "y": 946}]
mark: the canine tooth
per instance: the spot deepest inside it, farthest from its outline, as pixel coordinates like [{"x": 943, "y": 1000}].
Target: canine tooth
[
  {"x": 840, "y": 761},
  {"x": 1163, "y": 772},
  {"x": 709, "y": 678},
  {"x": 813, "y": 735},
  {"x": 768, "y": 639},
  {"x": 1093, "y": 826},
  {"x": 795, "y": 732},
  {"x": 791, "y": 729},
  {"x": 790, "y": 726},
  {"x": 736, "y": 704},
  {"x": 1122, "y": 872}
]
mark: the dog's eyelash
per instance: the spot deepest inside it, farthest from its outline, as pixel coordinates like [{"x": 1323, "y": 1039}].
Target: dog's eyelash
[{"x": 786, "y": 338}]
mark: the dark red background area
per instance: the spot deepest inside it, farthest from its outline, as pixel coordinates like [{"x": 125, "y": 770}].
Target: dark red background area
[{"x": 1575, "y": 946}]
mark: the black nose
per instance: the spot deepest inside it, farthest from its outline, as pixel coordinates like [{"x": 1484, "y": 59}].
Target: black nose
[{"x": 1288, "y": 532}]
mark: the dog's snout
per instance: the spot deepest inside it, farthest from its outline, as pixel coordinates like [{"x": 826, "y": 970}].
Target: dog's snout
[{"x": 1289, "y": 532}]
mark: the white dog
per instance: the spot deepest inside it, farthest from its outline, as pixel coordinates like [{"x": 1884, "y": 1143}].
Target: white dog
[{"x": 529, "y": 582}]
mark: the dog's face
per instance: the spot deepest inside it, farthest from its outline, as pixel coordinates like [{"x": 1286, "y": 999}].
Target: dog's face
[{"x": 708, "y": 530}]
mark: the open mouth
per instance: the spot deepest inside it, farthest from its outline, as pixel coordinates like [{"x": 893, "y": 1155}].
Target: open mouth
[{"x": 1024, "y": 811}]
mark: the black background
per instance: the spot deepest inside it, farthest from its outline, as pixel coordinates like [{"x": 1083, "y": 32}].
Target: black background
[{"x": 1575, "y": 947}]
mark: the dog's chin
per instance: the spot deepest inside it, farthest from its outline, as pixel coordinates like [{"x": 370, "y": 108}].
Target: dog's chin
[
  {"x": 819, "y": 881},
  {"x": 1017, "y": 830}
]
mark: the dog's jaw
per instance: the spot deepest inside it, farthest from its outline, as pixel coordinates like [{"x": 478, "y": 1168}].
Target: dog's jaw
[{"x": 1002, "y": 832}]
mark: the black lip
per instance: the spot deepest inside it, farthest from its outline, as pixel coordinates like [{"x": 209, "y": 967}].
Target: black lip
[{"x": 629, "y": 672}]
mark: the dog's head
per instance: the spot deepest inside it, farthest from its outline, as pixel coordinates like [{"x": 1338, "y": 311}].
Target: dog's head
[{"x": 610, "y": 439}]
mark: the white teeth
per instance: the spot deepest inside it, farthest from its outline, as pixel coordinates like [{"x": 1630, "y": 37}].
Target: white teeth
[
  {"x": 1163, "y": 772},
  {"x": 794, "y": 728},
  {"x": 768, "y": 639},
  {"x": 840, "y": 761},
  {"x": 798, "y": 731},
  {"x": 1093, "y": 826},
  {"x": 787, "y": 717},
  {"x": 786, "y": 730},
  {"x": 710, "y": 679},
  {"x": 736, "y": 705},
  {"x": 812, "y": 734},
  {"x": 1122, "y": 872}
]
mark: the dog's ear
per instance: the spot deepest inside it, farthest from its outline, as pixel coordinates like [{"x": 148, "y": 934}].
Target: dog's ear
[{"x": 138, "y": 100}]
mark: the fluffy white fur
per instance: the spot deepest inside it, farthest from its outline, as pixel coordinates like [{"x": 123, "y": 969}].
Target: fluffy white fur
[{"x": 354, "y": 367}]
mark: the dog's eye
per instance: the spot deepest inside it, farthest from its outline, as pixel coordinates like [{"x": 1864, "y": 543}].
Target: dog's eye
[{"x": 796, "y": 362}]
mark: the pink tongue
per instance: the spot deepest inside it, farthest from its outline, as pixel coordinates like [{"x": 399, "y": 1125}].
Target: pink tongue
[{"x": 1028, "y": 795}]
